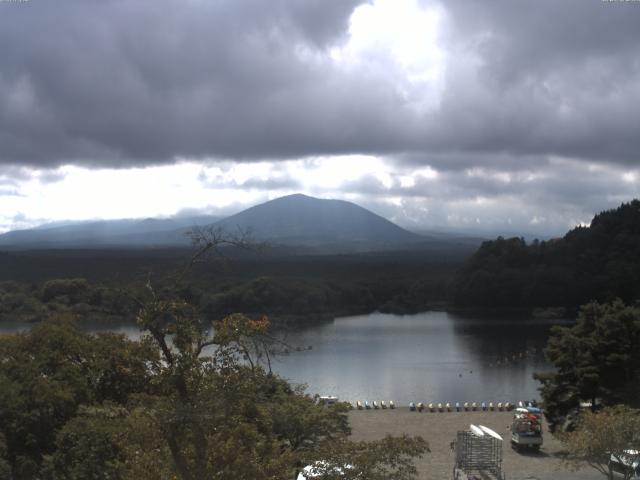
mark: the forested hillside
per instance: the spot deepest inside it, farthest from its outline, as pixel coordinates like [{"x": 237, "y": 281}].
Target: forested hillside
[
  {"x": 599, "y": 262},
  {"x": 101, "y": 287}
]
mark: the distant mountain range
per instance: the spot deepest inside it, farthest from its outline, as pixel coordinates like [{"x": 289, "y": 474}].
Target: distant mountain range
[
  {"x": 150, "y": 232},
  {"x": 315, "y": 225}
]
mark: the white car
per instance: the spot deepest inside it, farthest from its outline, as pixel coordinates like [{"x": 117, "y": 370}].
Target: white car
[
  {"x": 308, "y": 472},
  {"x": 628, "y": 462}
]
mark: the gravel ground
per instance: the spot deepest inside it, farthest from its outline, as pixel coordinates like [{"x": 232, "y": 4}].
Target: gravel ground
[{"x": 439, "y": 429}]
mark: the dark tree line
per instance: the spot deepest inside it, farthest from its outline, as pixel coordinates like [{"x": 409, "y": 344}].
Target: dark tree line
[
  {"x": 289, "y": 290},
  {"x": 600, "y": 262}
]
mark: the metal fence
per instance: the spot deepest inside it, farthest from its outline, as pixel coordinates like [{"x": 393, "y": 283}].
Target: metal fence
[{"x": 481, "y": 456}]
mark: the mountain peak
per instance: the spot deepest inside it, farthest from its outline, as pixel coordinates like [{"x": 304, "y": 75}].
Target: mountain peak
[
  {"x": 296, "y": 197},
  {"x": 298, "y": 219},
  {"x": 306, "y": 220}
]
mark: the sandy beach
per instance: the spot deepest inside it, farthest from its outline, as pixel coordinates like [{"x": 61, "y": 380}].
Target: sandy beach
[{"x": 439, "y": 429}]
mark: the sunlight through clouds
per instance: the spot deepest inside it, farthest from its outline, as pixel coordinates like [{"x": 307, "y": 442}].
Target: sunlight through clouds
[
  {"x": 416, "y": 196},
  {"x": 401, "y": 39},
  {"x": 110, "y": 194}
]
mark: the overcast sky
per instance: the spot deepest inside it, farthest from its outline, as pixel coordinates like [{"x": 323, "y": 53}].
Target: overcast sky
[{"x": 501, "y": 115}]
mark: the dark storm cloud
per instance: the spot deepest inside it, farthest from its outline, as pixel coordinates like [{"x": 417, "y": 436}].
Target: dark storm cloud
[
  {"x": 121, "y": 83},
  {"x": 519, "y": 39},
  {"x": 551, "y": 78}
]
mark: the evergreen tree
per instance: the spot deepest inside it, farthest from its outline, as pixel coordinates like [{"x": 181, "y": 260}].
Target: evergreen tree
[{"x": 596, "y": 360}]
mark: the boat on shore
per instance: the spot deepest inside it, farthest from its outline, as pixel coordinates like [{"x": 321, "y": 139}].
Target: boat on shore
[{"x": 490, "y": 432}]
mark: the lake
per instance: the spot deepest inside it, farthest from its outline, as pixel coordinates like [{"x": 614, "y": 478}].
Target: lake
[{"x": 427, "y": 357}]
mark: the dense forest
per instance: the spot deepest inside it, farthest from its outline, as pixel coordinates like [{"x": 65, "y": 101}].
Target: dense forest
[
  {"x": 598, "y": 262},
  {"x": 102, "y": 287}
]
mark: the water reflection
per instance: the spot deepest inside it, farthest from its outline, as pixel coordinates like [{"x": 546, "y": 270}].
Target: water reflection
[
  {"x": 432, "y": 356},
  {"x": 428, "y": 357}
]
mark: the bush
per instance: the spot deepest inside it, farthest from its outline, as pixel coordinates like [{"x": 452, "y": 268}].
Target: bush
[{"x": 76, "y": 289}]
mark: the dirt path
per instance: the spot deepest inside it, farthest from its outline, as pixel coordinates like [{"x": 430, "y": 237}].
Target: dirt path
[{"x": 439, "y": 429}]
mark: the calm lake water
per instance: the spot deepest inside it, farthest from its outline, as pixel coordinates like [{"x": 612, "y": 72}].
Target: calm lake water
[{"x": 428, "y": 357}]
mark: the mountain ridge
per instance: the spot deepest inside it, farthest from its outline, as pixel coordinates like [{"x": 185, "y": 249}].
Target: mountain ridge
[
  {"x": 291, "y": 225},
  {"x": 293, "y": 220},
  {"x": 104, "y": 233},
  {"x": 300, "y": 218}
]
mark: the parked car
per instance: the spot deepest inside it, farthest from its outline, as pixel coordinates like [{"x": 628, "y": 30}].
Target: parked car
[
  {"x": 627, "y": 463},
  {"x": 313, "y": 471}
]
